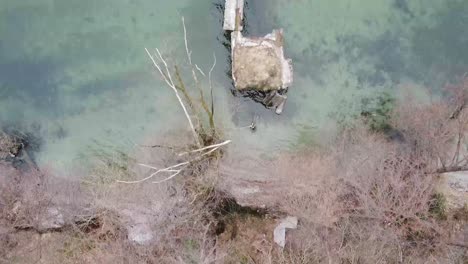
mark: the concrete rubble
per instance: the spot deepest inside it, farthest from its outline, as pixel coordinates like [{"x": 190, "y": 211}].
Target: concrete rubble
[
  {"x": 279, "y": 234},
  {"x": 258, "y": 63}
]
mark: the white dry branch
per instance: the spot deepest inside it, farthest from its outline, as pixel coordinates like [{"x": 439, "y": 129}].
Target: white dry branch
[
  {"x": 189, "y": 53},
  {"x": 175, "y": 170},
  {"x": 211, "y": 84},
  {"x": 168, "y": 79},
  {"x": 166, "y": 75},
  {"x": 216, "y": 146},
  {"x": 195, "y": 66},
  {"x": 200, "y": 70}
]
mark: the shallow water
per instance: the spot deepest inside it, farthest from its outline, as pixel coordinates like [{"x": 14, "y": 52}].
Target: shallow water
[{"x": 75, "y": 72}]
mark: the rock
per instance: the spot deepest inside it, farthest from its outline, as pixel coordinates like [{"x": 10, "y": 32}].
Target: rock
[
  {"x": 138, "y": 226},
  {"x": 140, "y": 233},
  {"x": 279, "y": 234},
  {"x": 259, "y": 63},
  {"x": 454, "y": 186},
  {"x": 51, "y": 220},
  {"x": 276, "y": 101},
  {"x": 16, "y": 207},
  {"x": 10, "y": 146}
]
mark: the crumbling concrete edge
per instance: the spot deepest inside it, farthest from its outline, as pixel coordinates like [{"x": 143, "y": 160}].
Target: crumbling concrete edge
[
  {"x": 233, "y": 15},
  {"x": 286, "y": 64},
  {"x": 276, "y": 42}
]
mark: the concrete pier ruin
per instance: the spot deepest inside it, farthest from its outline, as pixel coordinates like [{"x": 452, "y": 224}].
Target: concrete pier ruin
[
  {"x": 233, "y": 15},
  {"x": 258, "y": 63}
]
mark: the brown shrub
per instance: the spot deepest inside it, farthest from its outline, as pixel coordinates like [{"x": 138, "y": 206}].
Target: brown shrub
[
  {"x": 436, "y": 131},
  {"x": 380, "y": 190}
]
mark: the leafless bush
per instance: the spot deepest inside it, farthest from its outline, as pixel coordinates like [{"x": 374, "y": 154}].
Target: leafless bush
[
  {"x": 436, "y": 131},
  {"x": 380, "y": 190},
  {"x": 367, "y": 197},
  {"x": 385, "y": 187},
  {"x": 309, "y": 186},
  {"x": 383, "y": 181}
]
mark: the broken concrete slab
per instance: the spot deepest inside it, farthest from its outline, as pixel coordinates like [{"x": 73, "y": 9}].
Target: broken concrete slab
[
  {"x": 275, "y": 100},
  {"x": 233, "y": 15},
  {"x": 279, "y": 234},
  {"x": 259, "y": 63}
]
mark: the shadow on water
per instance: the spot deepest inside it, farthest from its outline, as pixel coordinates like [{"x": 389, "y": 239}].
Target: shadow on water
[
  {"x": 440, "y": 51},
  {"x": 386, "y": 53},
  {"x": 403, "y": 6},
  {"x": 29, "y": 79},
  {"x": 98, "y": 86},
  {"x": 431, "y": 55}
]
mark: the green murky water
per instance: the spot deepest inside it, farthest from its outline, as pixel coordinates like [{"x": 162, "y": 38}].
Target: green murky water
[{"x": 75, "y": 72}]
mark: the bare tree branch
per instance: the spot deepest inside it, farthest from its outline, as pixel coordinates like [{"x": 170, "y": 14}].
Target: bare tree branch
[
  {"x": 168, "y": 169},
  {"x": 205, "y": 148},
  {"x": 170, "y": 83},
  {"x": 211, "y": 85},
  {"x": 177, "y": 169},
  {"x": 200, "y": 70}
]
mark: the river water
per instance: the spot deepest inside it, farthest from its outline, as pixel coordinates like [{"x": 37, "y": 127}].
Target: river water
[{"x": 75, "y": 72}]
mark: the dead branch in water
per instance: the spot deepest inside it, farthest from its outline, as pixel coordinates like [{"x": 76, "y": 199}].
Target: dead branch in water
[
  {"x": 211, "y": 92},
  {"x": 168, "y": 79},
  {"x": 202, "y": 138},
  {"x": 200, "y": 134},
  {"x": 194, "y": 68}
]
